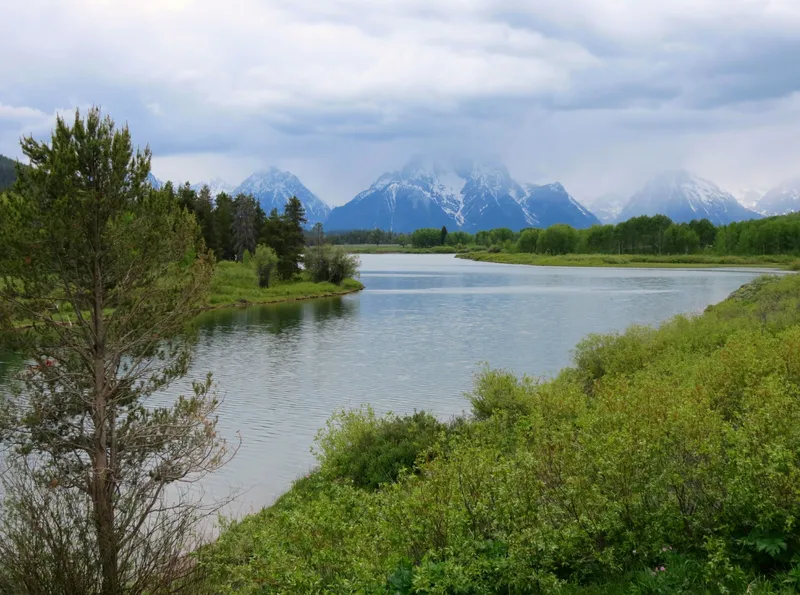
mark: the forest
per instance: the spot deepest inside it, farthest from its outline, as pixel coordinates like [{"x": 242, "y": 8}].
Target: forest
[{"x": 656, "y": 235}]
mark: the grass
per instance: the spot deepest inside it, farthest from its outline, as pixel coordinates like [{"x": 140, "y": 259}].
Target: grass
[
  {"x": 637, "y": 260},
  {"x": 234, "y": 284}
]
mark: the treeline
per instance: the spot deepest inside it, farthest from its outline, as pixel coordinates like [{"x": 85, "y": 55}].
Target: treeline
[
  {"x": 640, "y": 235},
  {"x": 234, "y": 226},
  {"x": 8, "y": 172}
]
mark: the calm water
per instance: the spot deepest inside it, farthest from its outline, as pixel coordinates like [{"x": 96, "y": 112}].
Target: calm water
[{"x": 412, "y": 339}]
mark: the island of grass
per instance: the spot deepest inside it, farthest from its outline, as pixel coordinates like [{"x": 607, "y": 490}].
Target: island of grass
[
  {"x": 663, "y": 461},
  {"x": 636, "y": 260},
  {"x": 235, "y": 284}
]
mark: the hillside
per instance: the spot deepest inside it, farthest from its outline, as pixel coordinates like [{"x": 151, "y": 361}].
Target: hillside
[{"x": 8, "y": 173}]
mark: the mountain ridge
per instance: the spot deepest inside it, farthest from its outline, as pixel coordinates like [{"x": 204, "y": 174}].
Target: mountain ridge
[
  {"x": 683, "y": 196},
  {"x": 463, "y": 194}
]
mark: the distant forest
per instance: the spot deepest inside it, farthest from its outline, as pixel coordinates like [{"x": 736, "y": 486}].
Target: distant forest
[{"x": 8, "y": 172}]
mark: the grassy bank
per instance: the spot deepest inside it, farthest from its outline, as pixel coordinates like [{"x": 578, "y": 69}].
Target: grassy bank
[
  {"x": 636, "y": 260},
  {"x": 662, "y": 461},
  {"x": 235, "y": 284}
]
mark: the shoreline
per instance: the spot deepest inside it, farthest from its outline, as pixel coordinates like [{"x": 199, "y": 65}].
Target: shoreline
[
  {"x": 632, "y": 261},
  {"x": 244, "y": 303}
]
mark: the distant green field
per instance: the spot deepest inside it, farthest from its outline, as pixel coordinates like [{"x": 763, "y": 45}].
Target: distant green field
[{"x": 637, "y": 260}]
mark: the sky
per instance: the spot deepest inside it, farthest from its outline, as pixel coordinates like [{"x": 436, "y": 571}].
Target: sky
[{"x": 596, "y": 94}]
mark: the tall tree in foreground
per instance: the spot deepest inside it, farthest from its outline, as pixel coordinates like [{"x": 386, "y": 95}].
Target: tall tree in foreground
[{"x": 105, "y": 272}]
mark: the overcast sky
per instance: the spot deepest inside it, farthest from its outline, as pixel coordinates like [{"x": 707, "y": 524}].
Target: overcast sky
[{"x": 597, "y": 94}]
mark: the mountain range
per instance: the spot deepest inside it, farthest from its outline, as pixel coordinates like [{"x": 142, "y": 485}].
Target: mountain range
[
  {"x": 273, "y": 187},
  {"x": 462, "y": 195},
  {"x": 482, "y": 195},
  {"x": 683, "y": 196},
  {"x": 783, "y": 199}
]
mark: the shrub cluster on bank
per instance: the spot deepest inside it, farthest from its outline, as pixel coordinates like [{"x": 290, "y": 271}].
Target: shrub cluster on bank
[{"x": 663, "y": 461}]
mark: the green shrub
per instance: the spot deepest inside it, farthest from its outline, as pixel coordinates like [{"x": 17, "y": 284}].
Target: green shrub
[
  {"x": 674, "y": 448},
  {"x": 371, "y": 451},
  {"x": 330, "y": 263},
  {"x": 265, "y": 261}
]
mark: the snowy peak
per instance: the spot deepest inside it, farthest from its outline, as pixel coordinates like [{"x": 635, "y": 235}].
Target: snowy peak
[
  {"x": 683, "y": 196},
  {"x": 272, "y": 188},
  {"x": 781, "y": 200},
  {"x": 154, "y": 181},
  {"x": 608, "y": 207},
  {"x": 551, "y": 203},
  {"x": 462, "y": 194}
]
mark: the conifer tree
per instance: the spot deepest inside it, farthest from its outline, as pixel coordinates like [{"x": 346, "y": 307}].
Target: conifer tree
[{"x": 105, "y": 273}]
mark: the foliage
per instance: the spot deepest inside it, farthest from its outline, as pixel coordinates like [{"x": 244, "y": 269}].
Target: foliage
[
  {"x": 109, "y": 272},
  {"x": 245, "y": 232},
  {"x": 370, "y": 451},
  {"x": 265, "y": 260},
  {"x": 235, "y": 284},
  {"x": 427, "y": 237},
  {"x": 632, "y": 260},
  {"x": 663, "y": 461},
  {"x": 644, "y": 235},
  {"x": 330, "y": 264}
]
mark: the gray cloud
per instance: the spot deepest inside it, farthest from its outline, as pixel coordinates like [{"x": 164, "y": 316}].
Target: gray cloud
[{"x": 595, "y": 93}]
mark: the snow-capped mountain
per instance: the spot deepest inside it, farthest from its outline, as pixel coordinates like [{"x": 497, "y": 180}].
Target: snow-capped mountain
[
  {"x": 154, "y": 181},
  {"x": 465, "y": 195},
  {"x": 683, "y": 196},
  {"x": 273, "y": 187},
  {"x": 607, "y": 207},
  {"x": 402, "y": 201},
  {"x": 782, "y": 199},
  {"x": 551, "y": 204},
  {"x": 216, "y": 186},
  {"x": 749, "y": 197}
]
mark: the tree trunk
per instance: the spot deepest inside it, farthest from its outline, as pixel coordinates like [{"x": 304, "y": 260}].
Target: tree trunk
[{"x": 103, "y": 480}]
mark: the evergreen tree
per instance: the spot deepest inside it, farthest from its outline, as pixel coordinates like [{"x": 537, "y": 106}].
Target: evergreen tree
[
  {"x": 443, "y": 236},
  {"x": 292, "y": 239},
  {"x": 223, "y": 227},
  {"x": 244, "y": 225},
  {"x": 109, "y": 272}
]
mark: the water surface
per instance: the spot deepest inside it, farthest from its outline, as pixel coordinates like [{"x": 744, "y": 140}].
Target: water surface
[{"x": 412, "y": 340}]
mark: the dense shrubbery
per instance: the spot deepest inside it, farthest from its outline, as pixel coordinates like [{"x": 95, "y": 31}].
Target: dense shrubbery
[
  {"x": 663, "y": 461},
  {"x": 330, "y": 263},
  {"x": 372, "y": 451}
]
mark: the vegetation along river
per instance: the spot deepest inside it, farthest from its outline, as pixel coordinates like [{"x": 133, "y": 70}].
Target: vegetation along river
[{"x": 412, "y": 339}]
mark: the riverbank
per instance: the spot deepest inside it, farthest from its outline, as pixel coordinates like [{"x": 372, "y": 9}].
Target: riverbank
[
  {"x": 236, "y": 285},
  {"x": 635, "y": 260},
  {"x": 398, "y": 249},
  {"x": 663, "y": 460}
]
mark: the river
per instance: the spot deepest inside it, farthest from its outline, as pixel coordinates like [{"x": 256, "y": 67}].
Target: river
[{"x": 411, "y": 340}]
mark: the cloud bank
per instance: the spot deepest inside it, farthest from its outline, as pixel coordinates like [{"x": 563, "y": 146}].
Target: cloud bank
[{"x": 598, "y": 94}]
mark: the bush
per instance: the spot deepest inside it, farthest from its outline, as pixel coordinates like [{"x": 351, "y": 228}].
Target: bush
[
  {"x": 330, "y": 263},
  {"x": 371, "y": 451},
  {"x": 674, "y": 448},
  {"x": 265, "y": 261}
]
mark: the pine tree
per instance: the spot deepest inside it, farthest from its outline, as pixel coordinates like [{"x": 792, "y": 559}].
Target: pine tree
[
  {"x": 108, "y": 273},
  {"x": 223, "y": 227},
  {"x": 293, "y": 240},
  {"x": 244, "y": 225}
]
